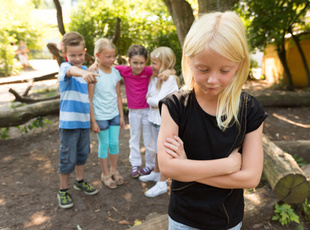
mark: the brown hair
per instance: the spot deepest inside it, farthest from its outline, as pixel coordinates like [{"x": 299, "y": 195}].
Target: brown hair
[
  {"x": 137, "y": 50},
  {"x": 72, "y": 39}
]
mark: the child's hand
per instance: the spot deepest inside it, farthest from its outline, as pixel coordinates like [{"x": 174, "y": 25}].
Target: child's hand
[
  {"x": 236, "y": 160},
  {"x": 122, "y": 124},
  {"x": 95, "y": 128},
  {"x": 90, "y": 77},
  {"x": 175, "y": 147},
  {"x": 93, "y": 68},
  {"x": 166, "y": 73}
]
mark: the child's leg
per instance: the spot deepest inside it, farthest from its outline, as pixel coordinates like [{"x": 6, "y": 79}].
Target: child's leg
[
  {"x": 64, "y": 178},
  {"x": 83, "y": 150},
  {"x": 103, "y": 146},
  {"x": 114, "y": 150},
  {"x": 148, "y": 141},
  {"x": 135, "y": 122},
  {"x": 114, "y": 146},
  {"x": 79, "y": 172}
]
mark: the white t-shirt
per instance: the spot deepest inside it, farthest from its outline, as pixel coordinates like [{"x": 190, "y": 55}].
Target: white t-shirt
[
  {"x": 105, "y": 96},
  {"x": 167, "y": 87}
]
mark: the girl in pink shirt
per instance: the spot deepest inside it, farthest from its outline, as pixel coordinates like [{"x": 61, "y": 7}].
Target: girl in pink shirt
[{"x": 136, "y": 79}]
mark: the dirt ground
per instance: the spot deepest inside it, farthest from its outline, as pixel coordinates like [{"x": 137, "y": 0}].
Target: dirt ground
[{"x": 29, "y": 180}]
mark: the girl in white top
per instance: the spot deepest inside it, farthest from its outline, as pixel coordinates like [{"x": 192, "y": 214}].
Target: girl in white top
[
  {"x": 106, "y": 112},
  {"x": 162, "y": 58}
]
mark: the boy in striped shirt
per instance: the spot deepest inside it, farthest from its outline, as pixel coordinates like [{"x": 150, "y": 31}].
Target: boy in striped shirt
[{"x": 74, "y": 118}]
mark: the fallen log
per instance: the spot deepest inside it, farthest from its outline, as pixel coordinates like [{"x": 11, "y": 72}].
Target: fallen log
[
  {"x": 306, "y": 170},
  {"x": 283, "y": 99},
  {"x": 285, "y": 177},
  {"x": 301, "y": 148},
  {"x": 21, "y": 115},
  {"x": 28, "y": 100}
]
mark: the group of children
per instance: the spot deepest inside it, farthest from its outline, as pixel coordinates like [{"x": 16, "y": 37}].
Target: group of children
[
  {"x": 91, "y": 100},
  {"x": 208, "y": 135}
]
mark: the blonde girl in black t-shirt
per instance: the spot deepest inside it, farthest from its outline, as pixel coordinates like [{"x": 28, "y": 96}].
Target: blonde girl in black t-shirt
[{"x": 207, "y": 124}]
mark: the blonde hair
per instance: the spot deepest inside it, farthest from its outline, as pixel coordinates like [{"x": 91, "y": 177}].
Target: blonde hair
[
  {"x": 102, "y": 44},
  {"x": 72, "y": 39},
  {"x": 225, "y": 34},
  {"x": 167, "y": 59}
]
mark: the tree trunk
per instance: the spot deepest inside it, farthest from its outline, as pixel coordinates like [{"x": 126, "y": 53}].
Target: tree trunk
[
  {"x": 282, "y": 56},
  {"x": 303, "y": 57},
  {"x": 206, "y": 6},
  {"x": 285, "y": 177},
  {"x": 182, "y": 15},
  {"x": 21, "y": 115},
  {"x": 60, "y": 22}
]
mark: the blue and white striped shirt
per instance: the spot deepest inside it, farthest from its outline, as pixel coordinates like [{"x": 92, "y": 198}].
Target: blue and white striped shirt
[{"x": 74, "y": 102}]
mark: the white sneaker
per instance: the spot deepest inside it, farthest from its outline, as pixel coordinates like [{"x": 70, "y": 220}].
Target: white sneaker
[
  {"x": 153, "y": 176},
  {"x": 159, "y": 188}
]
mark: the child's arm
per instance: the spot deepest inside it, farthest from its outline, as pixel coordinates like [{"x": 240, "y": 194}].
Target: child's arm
[
  {"x": 252, "y": 165},
  {"x": 166, "y": 73},
  {"x": 89, "y": 77},
  {"x": 120, "y": 105},
  {"x": 252, "y": 162},
  {"x": 94, "y": 126},
  {"x": 183, "y": 169}
]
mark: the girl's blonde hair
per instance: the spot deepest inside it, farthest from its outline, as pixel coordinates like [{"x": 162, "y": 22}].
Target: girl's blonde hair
[
  {"x": 225, "y": 34},
  {"x": 100, "y": 45},
  {"x": 167, "y": 59}
]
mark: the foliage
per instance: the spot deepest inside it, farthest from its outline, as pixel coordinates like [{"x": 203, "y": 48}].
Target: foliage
[
  {"x": 306, "y": 210},
  {"x": 39, "y": 122},
  {"x": 15, "y": 26},
  {"x": 299, "y": 160},
  {"x": 142, "y": 22},
  {"x": 4, "y": 133},
  {"x": 271, "y": 20},
  {"x": 285, "y": 214}
]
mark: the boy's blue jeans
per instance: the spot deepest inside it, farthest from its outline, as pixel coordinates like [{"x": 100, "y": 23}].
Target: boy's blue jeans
[{"x": 74, "y": 149}]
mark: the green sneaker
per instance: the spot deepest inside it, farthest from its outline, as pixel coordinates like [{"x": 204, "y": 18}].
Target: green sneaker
[
  {"x": 64, "y": 199},
  {"x": 86, "y": 188}
]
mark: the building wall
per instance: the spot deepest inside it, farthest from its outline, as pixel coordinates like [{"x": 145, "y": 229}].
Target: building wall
[{"x": 272, "y": 68}]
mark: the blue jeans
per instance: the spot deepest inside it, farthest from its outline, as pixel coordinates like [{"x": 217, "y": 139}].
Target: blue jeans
[
  {"x": 174, "y": 225},
  {"x": 105, "y": 124},
  {"x": 74, "y": 149}
]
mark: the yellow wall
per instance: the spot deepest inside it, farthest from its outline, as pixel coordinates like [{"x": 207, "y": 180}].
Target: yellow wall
[{"x": 272, "y": 68}]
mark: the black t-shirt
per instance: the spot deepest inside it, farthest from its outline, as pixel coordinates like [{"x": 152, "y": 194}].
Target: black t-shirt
[{"x": 199, "y": 205}]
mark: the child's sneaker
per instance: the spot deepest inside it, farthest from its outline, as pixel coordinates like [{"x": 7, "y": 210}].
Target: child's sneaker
[
  {"x": 64, "y": 199},
  {"x": 135, "y": 172},
  {"x": 86, "y": 188},
  {"x": 159, "y": 188},
  {"x": 145, "y": 171},
  {"x": 153, "y": 176}
]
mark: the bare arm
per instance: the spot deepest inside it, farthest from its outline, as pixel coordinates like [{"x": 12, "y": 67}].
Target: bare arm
[
  {"x": 89, "y": 77},
  {"x": 120, "y": 105},
  {"x": 94, "y": 126},
  {"x": 184, "y": 169}
]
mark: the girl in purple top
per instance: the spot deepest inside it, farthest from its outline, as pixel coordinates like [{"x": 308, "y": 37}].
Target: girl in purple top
[{"x": 136, "y": 79}]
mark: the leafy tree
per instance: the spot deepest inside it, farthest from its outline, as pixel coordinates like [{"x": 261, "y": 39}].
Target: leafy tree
[
  {"x": 142, "y": 22},
  {"x": 15, "y": 26},
  {"x": 270, "y": 22}
]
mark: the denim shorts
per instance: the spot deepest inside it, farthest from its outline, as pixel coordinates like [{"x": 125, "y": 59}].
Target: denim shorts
[
  {"x": 105, "y": 124},
  {"x": 74, "y": 149},
  {"x": 174, "y": 225}
]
